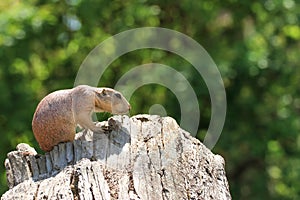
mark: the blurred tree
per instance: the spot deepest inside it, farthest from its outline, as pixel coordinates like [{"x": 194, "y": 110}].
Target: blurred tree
[{"x": 254, "y": 43}]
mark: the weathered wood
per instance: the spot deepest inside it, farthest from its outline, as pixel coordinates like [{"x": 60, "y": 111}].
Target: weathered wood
[{"x": 142, "y": 157}]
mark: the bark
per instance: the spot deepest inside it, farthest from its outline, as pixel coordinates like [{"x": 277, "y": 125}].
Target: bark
[{"x": 142, "y": 157}]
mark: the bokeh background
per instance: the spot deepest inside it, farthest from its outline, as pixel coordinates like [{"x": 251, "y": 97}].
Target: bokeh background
[{"x": 255, "y": 44}]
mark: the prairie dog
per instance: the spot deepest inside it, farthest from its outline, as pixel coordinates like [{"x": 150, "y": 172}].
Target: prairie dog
[{"x": 57, "y": 115}]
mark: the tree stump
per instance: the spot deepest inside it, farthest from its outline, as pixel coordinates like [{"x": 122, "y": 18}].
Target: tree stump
[{"x": 142, "y": 157}]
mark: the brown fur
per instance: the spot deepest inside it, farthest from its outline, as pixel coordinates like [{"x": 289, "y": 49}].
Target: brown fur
[{"x": 58, "y": 114}]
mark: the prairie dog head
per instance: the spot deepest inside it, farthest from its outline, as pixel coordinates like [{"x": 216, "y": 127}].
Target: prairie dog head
[{"x": 110, "y": 100}]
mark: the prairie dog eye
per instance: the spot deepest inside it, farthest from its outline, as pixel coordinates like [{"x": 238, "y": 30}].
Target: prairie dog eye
[{"x": 118, "y": 95}]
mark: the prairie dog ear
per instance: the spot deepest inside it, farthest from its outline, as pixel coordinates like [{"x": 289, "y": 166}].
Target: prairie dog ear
[{"x": 103, "y": 92}]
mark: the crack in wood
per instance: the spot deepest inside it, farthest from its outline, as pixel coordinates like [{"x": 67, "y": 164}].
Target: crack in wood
[
  {"x": 36, "y": 192},
  {"x": 131, "y": 185},
  {"x": 74, "y": 184},
  {"x": 143, "y": 119}
]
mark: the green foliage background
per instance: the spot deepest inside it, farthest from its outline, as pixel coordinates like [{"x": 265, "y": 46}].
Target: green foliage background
[{"x": 255, "y": 44}]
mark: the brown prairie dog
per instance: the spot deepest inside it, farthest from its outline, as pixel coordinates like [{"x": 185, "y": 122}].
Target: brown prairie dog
[{"x": 58, "y": 114}]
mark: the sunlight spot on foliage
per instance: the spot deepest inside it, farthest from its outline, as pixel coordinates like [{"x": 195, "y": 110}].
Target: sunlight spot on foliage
[
  {"x": 286, "y": 99},
  {"x": 19, "y": 67},
  {"x": 248, "y": 27},
  {"x": 155, "y": 10},
  {"x": 269, "y": 5},
  {"x": 282, "y": 189},
  {"x": 72, "y": 47},
  {"x": 7, "y": 40},
  {"x": 278, "y": 41},
  {"x": 288, "y": 4},
  {"x": 274, "y": 146},
  {"x": 39, "y": 69},
  {"x": 72, "y": 22},
  {"x": 73, "y": 2},
  {"x": 274, "y": 172},
  {"x": 224, "y": 19},
  {"x": 283, "y": 113},
  {"x": 292, "y": 31},
  {"x": 297, "y": 103},
  {"x": 263, "y": 63},
  {"x": 36, "y": 24}
]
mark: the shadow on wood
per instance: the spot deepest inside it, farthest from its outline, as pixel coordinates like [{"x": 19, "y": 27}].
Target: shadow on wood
[{"x": 142, "y": 157}]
